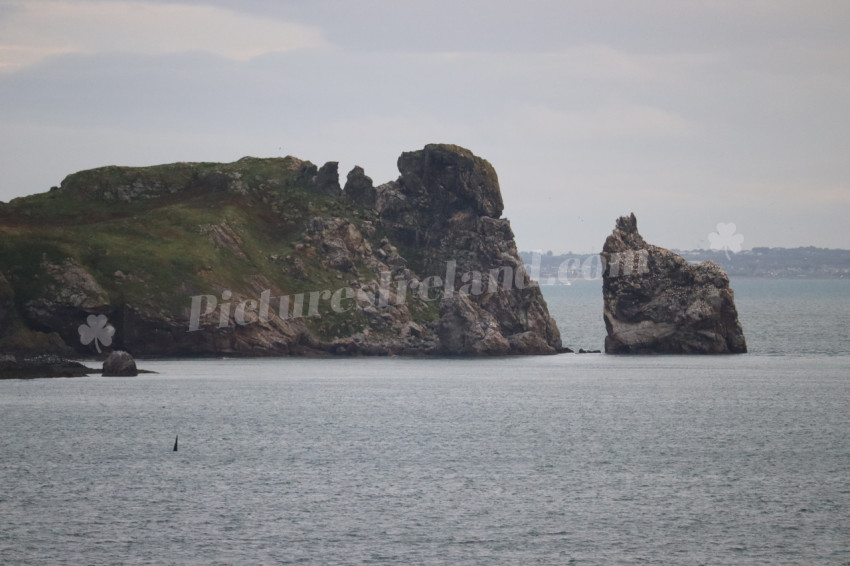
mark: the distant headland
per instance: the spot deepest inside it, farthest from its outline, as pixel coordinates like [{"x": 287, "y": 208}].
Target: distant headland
[{"x": 761, "y": 262}]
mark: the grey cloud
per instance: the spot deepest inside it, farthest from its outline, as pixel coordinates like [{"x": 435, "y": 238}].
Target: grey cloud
[{"x": 686, "y": 113}]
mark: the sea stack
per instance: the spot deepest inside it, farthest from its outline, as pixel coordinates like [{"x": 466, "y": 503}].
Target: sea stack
[{"x": 655, "y": 302}]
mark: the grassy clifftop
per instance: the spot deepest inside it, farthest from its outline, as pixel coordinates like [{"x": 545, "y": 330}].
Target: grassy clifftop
[
  {"x": 152, "y": 237},
  {"x": 157, "y": 225}
]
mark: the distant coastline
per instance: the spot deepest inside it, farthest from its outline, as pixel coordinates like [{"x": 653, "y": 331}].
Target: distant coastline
[{"x": 768, "y": 263}]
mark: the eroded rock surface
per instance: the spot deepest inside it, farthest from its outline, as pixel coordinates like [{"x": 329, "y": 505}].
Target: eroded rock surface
[{"x": 655, "y": 302}]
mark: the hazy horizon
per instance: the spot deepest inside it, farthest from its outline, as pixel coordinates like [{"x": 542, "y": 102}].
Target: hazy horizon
[{"x": 688, "y": 115}]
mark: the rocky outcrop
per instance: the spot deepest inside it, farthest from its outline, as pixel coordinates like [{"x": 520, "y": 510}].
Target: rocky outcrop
[
  {"x": 655, "y": 302},
  {"x": 327, "y": 179},
  {"x": 119, "y": 364},
  {"x": 338, "y": 243},
  {"x": 67, "y": 292},
  {"x": 222, "y": 236},
  {"x": 448, "y": 204},
  {"x": 359, "y": 188},
  {"x": 272, "y": 257}
]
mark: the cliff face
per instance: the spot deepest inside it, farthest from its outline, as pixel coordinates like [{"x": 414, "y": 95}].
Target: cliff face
[
  {"x": 448, "y": 204},
  {"x": 655, "y": 302},
  {"x": 271, "y": 257}
]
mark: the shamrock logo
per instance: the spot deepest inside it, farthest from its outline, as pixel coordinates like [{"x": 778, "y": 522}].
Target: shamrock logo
[
  {"x": 96, "y": 330},
  {"x": 726, "y": 239}
]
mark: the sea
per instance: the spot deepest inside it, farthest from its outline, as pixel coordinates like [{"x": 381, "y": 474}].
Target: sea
[{"x": 581, "y": 459}]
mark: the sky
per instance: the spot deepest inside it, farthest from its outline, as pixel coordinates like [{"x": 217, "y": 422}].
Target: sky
[{"x": 689, "y": 114}]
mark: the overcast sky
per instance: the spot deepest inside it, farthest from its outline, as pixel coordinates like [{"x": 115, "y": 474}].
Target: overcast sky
[{"x": 687, "y": 113}]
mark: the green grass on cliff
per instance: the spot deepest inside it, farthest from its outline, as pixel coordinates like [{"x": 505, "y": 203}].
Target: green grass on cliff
[{"x": 158, "y": 252}]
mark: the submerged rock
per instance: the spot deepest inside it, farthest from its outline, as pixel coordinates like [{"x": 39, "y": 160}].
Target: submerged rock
[
  {"x": 119, "y": 364},
  {"x": 655, "y": 302}
]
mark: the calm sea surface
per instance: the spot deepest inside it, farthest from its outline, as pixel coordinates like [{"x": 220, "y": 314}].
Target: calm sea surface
[{"x": 571, "y": 459}]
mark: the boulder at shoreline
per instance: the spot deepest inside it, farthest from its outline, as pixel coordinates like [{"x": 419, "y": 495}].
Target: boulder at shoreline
[{"x": 119, "y": 364}]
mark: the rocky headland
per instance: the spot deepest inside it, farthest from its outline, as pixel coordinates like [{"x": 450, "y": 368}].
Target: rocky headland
[
  {"x": 270, "y": 257},
  {"x": 656, "y": 302}
]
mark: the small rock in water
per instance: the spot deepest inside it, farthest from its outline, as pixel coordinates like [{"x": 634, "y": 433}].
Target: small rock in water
[{"x": 119, "y": 364}]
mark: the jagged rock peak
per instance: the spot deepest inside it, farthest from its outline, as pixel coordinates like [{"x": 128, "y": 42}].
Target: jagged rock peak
[
  {"x": 359, "y": 188},
  {"x": 625, "y": 235},
  {"x": 327, "y": 179},
  {"x": 627, "y": 224},
  {"x": 449, "y": 178},
  {"x": 655, "y": 302}
]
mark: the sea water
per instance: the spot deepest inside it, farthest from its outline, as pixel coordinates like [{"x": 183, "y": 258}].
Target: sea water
[{"x": 570, "y": 459}]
